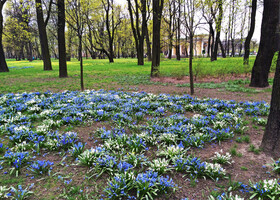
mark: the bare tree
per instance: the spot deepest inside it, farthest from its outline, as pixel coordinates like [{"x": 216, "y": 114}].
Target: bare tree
[
  {"x": 139, "y": 26},
  {"x": 42, "y": 24},
  {"x": 192, "y": 22},
  {"x": 250, "y": 33},
  {"x": 76, "y": 19},
  {"x": 3, "y": 64}
]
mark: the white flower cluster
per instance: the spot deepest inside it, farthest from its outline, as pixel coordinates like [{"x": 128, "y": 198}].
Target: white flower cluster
[{"x": 222, "y": 158}]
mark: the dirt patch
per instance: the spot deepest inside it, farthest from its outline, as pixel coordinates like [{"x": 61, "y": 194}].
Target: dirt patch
[
  {"x": 206, "y": 93},
  {"x": 207, "y": 79}
]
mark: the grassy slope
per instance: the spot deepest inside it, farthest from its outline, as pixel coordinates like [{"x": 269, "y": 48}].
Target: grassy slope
[{"x": 99, "y": 74}]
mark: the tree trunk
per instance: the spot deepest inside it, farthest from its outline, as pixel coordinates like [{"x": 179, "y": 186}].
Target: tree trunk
[
  {"x": 268, "y": 44},
  {"x": 212, "y": 32},
  {"x": 157, "y": 13},
  {"x": 61, "y": 39},
  {"x": 208, "y": 46},
  {"x": 222, "y": 49},
  {"x": 232, "y": 48},
  {"x": 3, "y": 64},
  {"x": 218, "y": 29},
  {"x": 190, "y": 64},
  {"x": 29, "y": 51},
  {"x": 271, "y": 139},
  {"x": 148, "y": 43},
  {"x": 250, "y": 33},
  {"x": 178, "y": 56},
  {"x": 81, "y": 62},
  {"x": 43, "y": 36}
]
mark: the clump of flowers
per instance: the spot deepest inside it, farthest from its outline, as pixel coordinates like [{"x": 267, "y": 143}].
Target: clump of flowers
[
  {"x": 135, "y": 159},
  {"x": 2, "y": 148},
  {"x": 20, "y": 194},
  {"x": 89, "y": 157},
  {"x": 222, "y": 159},
  {"x": 160, "y": 165},
  {"x": 149, "y": 183},
  {"x": 226, "y": 196},
  {"x": 265, "y": 189},
  {"x": 16, "y": 160},
  {"x": 119, "y": 185},
  {"x": 4, "y": 192},
  {"x": 171, "y": 151},
  {"x": 41, "y": 167},
  {"x": 78, "y": 149},
  {"x": 276, "y": 166}
]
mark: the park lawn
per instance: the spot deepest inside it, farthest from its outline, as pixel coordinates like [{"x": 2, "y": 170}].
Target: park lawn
[{"x": 100, "y": 74}]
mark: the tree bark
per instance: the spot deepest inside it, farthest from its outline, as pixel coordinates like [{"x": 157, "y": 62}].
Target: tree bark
[
  {"x": 268, "y": 44},
  {"x": 178, "y": 45},
  {"x": 43, "y": 36},
  {"x": 271, "y": 139},
  {"x": 190, "y": 65},
  {"x": 157, "y": 13},
  {"x": 250, "y": 33},
  {"x": 148, "y": 43},
  {"x": 218, "y": 30},
  {"x": 81, "y": 62},
  {"x": 222, "y": 49},
  {"x": 3, "y": 64},
  {"x": 61, "y": 39}
]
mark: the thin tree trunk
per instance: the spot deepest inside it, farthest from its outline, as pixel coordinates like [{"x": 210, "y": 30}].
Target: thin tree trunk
[
  {"x": 3, "y": 64},
  {"x": 268, "y": 44},
  {"x": 209, "y": 45},
  {"x": 43, "y": 36},
  {"x": 218, "y": 29},
  {"x": 250, "y": 33},
  {"x": 190, "y": 65},
  {"x": 178, "y": 56},
  {"x": 61, "y": 39},
  {"x": 148, "y": 43},
  {"x": 81, "y": 62},
  {"x": 222, "y": 49}
]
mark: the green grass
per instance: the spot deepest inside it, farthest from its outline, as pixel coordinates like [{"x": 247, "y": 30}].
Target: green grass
[{"x": 100, "y": 74}]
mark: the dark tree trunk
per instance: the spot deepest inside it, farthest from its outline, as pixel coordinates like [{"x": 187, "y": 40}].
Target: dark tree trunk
[
  {"x": 212, "y": 32},
  {"x": 271, "y": 139},
  {"x": 148, "y": 43},
  {"x": 29, "y": 51},
  {"x": 222, "y": 49},
  {"x": 250, "y": 33},
  {"x": 3, "y": 64},
  {"x": 178, "y": 56},
  {"x": 232, "y": 48},
  {"x": 43, "y": 36},
  {"x": 61, "y": 39},
  {"x": 190, "y": 64},
  {"x": 209, "y": 46},
  {"x": 268, "y": 44},
  {"x": 157, "y": 13},
  {"x": 137, "y": 34}
]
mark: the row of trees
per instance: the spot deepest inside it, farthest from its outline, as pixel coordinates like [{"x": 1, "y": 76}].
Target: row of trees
[{"x": 133, "y": 26}]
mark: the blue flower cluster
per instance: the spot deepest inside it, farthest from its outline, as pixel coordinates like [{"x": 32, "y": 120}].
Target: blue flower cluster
[
  {"x": 41, "y": 167},
  {"x": 146, "y": 184}
]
